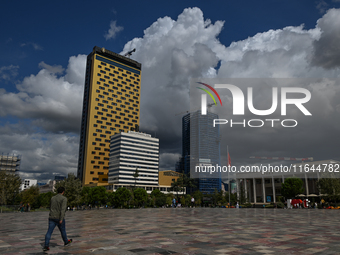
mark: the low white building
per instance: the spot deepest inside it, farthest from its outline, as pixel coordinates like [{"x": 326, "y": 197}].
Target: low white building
[
  {"x": 263, "y": 187},
  {"x": 27, "y": 183}
]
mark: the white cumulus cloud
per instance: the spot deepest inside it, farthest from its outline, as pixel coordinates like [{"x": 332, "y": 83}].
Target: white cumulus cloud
[{"x": 113, "y": 30}]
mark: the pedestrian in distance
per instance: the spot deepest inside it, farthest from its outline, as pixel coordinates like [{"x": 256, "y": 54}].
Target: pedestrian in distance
[
  {"x": 174, "y": 202},
  {"x": 192, "y": 202},
  {"x": 58, "y": 208}
]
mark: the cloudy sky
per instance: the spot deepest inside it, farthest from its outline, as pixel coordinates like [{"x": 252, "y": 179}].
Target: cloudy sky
[{"x": 43, "y": 49}]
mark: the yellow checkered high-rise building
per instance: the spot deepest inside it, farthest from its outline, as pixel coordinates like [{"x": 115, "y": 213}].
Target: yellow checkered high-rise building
[{"x": 111, "y": 105}]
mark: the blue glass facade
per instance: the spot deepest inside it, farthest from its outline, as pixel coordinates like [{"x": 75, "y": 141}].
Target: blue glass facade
[{"x": 200, "y": 141}]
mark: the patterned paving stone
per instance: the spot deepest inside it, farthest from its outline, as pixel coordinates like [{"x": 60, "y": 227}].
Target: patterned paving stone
[{"x": 191, "y": 231}]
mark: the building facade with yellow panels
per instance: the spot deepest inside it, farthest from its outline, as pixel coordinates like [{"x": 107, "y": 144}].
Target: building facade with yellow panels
[
  {"x": 165, "y": 178},
  {"x": 111, "y": 105}
]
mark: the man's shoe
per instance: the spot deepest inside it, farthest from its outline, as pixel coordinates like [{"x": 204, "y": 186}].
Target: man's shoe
[
  {"x": 46, "y": 248},
  {"x": 68, "y": 243}
]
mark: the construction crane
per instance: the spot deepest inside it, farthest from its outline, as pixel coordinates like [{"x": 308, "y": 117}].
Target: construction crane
[
  {"x": 208, "y": 106},
  {"x": 283, "y": 158},
  {"x": 129, "y": 53}
]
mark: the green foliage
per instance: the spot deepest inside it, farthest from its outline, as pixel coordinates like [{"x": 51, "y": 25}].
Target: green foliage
[
  {"x": 233, "y": 198},
  {"x": 44, "y": 199},
  {"x": 73, "y": 190},
  {"x": 280, "y": 205},
  {"x": 159, "y": 198},
  {"x": 122, "y": 196},
  {"x": 140, "y": 196},
  {"x": 110, "y": 198},
  {"x": 9, "y": 187},
  {"x": 246, "y": 205},
  {"x": 330, "y": 186},
  {"x": 156, "y": 193},
  {"x": 85, "y": 195},
  {"x": 198, "y": 196},
  {"x": 30, "y": 196},
  {"x": 98, "y": 195},
  {"x": 292, "y": 187},
  {"x": 168, "y": 201}
]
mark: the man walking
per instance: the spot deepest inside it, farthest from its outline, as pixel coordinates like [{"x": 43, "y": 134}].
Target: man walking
[{"x": 56, "y": 218}]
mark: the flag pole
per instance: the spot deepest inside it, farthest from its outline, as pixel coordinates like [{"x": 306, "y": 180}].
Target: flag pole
[{"x": 229, "y": 188}]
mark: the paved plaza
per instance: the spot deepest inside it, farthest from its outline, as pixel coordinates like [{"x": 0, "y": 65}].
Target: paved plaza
[{"x": 177, "y": 231}]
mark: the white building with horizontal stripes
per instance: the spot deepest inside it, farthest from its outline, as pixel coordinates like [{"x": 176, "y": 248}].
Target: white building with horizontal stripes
[{"x": 131, "y": 151}]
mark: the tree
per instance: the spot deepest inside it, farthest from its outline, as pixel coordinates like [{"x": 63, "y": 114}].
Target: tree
[
  {"x": 44, "y": 199},
  {"x": 85, "y": 195},
  {"x": 135, "y": 175},
  {"x": 73, "y": 189},
  {"x": 9, "y": 187},
  {"x": 198, "y": 196},
  {"x": 177, "y": 186},
  {"x": 330, "y": 186},
  {"x": 31, "y": 196},
  {"x": 140, "y": 196},
  {"x": 233, "y": 198},
  {"x": 292, "y": 187},
  {"x": 110, "y": 198},
  {"x": 98, "y": 195},
  {"x": 159, "y": 197},
  {"x": 122, "y": 196}
]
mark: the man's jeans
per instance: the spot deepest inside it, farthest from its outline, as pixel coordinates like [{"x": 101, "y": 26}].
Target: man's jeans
[{"x": 52, "y": 223}]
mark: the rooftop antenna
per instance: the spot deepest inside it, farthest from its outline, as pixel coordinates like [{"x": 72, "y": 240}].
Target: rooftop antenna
[{"x": 129, "y": 53}]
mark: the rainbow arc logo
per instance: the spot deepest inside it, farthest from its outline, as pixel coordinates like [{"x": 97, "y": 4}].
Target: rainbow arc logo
[{"x": 204, "y": 97}]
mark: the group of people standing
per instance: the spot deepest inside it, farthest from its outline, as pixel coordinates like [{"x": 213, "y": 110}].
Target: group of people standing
[
  {"x": 176, "y": 204},
  {"x": 24, "y": 207}
]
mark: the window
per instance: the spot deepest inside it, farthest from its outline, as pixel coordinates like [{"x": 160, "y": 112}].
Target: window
[
  {"x": 93, "y": 152},
  {"x": 100, "y": 173},
  {"x": 91, "y": 172},
  {"x": 93, "y": 143}
]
